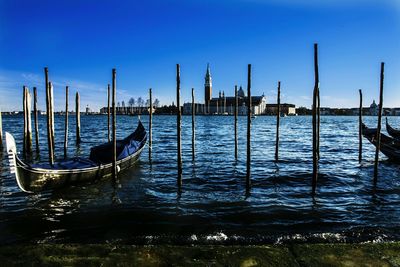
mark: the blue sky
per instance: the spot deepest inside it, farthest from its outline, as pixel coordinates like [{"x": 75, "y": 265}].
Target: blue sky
[{"x": 81, "y": 41}]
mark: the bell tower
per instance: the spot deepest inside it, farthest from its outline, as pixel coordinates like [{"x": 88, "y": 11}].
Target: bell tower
[{"x": 207, "y": 88}]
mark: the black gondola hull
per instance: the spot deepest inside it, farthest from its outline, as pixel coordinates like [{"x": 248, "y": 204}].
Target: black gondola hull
[
  {"x": 390, "y": 147},
  {"x": 40, "y": 177},
  {"x": 392, "y": 131},
  {"x": 36, "y": 180}
]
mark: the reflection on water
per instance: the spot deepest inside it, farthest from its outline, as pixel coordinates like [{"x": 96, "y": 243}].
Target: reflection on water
[{"x": 212, "y": 206}]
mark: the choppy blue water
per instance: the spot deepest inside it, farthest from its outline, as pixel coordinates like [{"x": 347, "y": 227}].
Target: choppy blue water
[{"x": 213, "y": 207}]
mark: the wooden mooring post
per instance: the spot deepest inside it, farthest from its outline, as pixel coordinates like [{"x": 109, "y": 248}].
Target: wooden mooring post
[
  {"x": 24, "y": 112},
  {"x": 27, "y": 121},
  {"x": 314, "y": 121},
  {"x": 150, "y": 122},
  {"x": 193, "y": 125},
  {"x": 108, "y": 113},
  {"x": 236, "y": 121},
  {"x": 48, "y": 122},
  {"x": 36, "y": 120},
  {"x": 51, "y": 93},
  {"x": 114, "y": 127},
  {"x": 78, "y": 118},
  {"x": 66, "y": 123},
  {"x": 378, "y": 131},
  {"x": 318, "y": 122},
  {"x": 178, "y": 124},
  {"x": 248, "y": 163},
  {"x": 278, "y": 116},
  {"x": 360, "y": 129}
]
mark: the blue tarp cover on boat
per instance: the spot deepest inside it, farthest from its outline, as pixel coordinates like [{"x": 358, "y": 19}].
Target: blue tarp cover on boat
[
  {"x": 67, "y": 164},
  {"x": 102, "y": 154},
  {"x": 129, "y": 149}
]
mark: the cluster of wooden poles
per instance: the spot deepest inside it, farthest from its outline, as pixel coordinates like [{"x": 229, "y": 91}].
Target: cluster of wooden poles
[
  {"x": 315, "y": 122},
  {"x": 27, "y": 100},
  {"x": 50, "y": 120}
]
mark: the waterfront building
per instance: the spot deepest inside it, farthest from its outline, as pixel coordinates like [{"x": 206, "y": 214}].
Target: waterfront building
[
  {"x": 286, "y": 109},
  {"x": 207, "y": 88},
  {"x": 225, "y": 105}
]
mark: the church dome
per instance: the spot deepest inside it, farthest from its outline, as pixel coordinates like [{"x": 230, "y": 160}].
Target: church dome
[{"x": 241, "y": 92}]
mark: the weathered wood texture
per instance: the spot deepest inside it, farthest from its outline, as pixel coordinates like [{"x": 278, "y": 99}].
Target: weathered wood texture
[
  {"x": 36, "y": 120},
  {"x": 278, "y": 117},
  {"x": 48, "y": 121},
  {"x": 66, "y": 123},
  {"x": 318, "y": 122},
  {"x": 378, "y": 131},
  {"x": 178, "y": 123},
  {"x": 314, "y": 122},
  {"x": 248, "y": 162},
  {"x": 150, "y": 122},
  {"x": 236, "y": 121},
  {"x": 78, "y": 118},
  {"x": 51, "y": 93},
  {"x": 114, "y": 126},
  {"x": 193, "y": 125},
  {"x": 108, "y": 113},
  {"x": 27, "y": 121}
]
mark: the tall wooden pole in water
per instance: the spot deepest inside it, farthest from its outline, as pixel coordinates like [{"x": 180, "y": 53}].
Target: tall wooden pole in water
[
  {"x": 78, "y": 118},
  {"x": 35, "y": 114},
  {"x": 150, "y": 122},
  {"x": 314, "y": 121},
  {"x": 318, "y": 121},
  {"x": 25, "y": 122},
  {"x": 51, "y": 114},
  {"x": 278, "y": 116},
  {"x": 360, "y": 128},
  {"x": 178, "y": 123},
  {"x": 114, "y": 129},
  {"x": 108, "y": 113},
  {"x": 248, "y": 184},
  {"x": 66, "y": 123},
  {"x": 193, "y": 125},
  {"x": 378, "y": 131},
  {"x": 49, "y": 136},
  {"x": 29, "y": 121},
  {"x": 236, "y": 120}
]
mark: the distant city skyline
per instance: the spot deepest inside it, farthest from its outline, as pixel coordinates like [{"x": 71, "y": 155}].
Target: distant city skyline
[{"x": 81, "y": 42}]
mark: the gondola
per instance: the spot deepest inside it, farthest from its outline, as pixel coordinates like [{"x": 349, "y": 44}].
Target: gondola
[
  {"x": 33, "y": 178},
  {"x": 393, "y": 132},
  {"x": 390, "y": 147}
]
